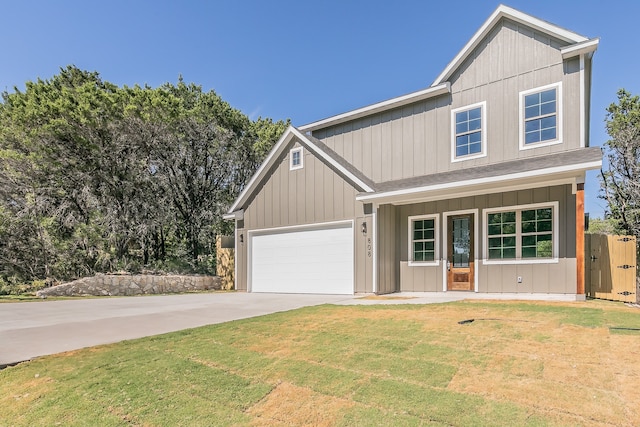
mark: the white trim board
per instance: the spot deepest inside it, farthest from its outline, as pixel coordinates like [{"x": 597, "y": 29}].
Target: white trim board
[
  {"x": 436, "y": 243},
  {"x": 538, "y": 176},
  {"x": 583, "y": 48},
  {"x": 559, "y": 116}
]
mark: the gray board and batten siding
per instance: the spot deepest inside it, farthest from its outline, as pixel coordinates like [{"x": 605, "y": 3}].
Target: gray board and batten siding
[
  {"x": 551, "y": 277},
  {"x": 314, "y": 194},
  {"x": 415, "y": 140}
]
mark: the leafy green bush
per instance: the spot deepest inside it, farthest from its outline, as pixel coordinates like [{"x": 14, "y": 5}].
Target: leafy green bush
[{"x": 13, "y": 286}]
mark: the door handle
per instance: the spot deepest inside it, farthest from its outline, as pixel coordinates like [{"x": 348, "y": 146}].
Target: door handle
[{"x": 448, "y": 265}]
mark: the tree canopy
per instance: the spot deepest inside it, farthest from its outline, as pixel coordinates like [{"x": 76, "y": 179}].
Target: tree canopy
[
  {"x": 95, "y": 177},
  {"x": 621, "y": 182}
]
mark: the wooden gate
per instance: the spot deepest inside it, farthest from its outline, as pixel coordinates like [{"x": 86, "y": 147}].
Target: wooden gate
[{"x": 610, "y": 267}]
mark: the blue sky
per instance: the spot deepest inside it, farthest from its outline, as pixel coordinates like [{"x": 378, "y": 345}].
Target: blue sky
[{"x": 296, "y": 59}]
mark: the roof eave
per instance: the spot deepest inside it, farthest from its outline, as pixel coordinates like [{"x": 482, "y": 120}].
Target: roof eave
[
  {"x": 235, "y": 215},
  {"x": 260, "y": 173},
  {"x": 583, "y": 48},
  {"x": 430, "y": 92},
  {"x": 480, "y": 185}
]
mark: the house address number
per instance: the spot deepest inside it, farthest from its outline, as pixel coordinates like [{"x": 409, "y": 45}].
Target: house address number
[{"x": 369, "y": 247}]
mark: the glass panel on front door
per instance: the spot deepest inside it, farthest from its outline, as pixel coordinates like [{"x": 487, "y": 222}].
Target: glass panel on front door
[{"x": 461, "y": 242}]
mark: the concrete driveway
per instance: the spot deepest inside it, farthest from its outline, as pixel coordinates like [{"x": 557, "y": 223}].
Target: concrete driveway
[{"x": 32, "y": 329}]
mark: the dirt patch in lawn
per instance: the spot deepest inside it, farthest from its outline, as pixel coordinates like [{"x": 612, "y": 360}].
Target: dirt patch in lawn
[
  {"x": 574, "y": 375},
  {"x": 288, "y": 404}
]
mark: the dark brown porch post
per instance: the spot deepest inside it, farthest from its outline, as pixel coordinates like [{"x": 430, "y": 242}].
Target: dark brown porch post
[{"x": 580, "y": 239}]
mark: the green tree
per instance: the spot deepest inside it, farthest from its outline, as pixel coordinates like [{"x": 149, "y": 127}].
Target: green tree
[
  {"x": 96, "y": 177},
  {"x": 621, "y": 181},
  {"x": 603, "y": 226}
]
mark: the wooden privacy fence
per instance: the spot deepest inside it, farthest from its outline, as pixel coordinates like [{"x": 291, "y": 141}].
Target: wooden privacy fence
[{"x": 610, "y": 267}]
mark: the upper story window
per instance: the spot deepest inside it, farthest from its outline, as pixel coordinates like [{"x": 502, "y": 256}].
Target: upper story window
[
  {"x": 468, "y": 132},
  {"x": 522, "y": 233},
  {"x": 295, "y": 158},
  {"x": 540, "y": 112},
  {"x": 423, "y": 240}
]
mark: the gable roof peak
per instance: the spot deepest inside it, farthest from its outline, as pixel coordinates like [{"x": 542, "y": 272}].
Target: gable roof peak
[
  {"x": 501, "y": 12},
  {"x": 318, "y": 148}
]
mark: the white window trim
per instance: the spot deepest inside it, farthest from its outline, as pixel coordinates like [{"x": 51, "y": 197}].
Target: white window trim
[
  {"x": 555, "y": 233},
  {"x": 436, "y": 243},
  {"x": 296, "y": 150},
  {"x": 558, "y": 140},
  {"x": 483, "y": 130}
]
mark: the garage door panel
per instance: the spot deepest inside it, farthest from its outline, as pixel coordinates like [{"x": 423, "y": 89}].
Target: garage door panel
[{"x": 307, "y": 261}]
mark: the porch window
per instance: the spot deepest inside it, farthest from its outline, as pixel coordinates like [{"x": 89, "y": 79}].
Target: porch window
[
  {"x": 537, "y": 233},
  {"x": 540, "y": 112},
  {"x": 423, "y": 239},
  {"x": 522, "y": 233},
  {"x": 468, "y": 132},
  {"x": 502, "y": 235}
]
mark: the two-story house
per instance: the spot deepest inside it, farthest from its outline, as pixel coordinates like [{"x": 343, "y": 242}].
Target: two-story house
[{"x": 475, "y": 183}]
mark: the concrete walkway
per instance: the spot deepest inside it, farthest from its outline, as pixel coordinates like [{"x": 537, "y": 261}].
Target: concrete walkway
[
  {"x": 32, "y": 329},
  {"x": 441, "y": 297}
]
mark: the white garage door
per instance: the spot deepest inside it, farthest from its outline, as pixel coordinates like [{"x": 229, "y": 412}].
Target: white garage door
[{"x": 309, "y": 261}]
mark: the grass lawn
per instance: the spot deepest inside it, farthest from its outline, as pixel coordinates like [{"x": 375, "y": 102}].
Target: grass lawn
[
  {"x": 518, "y": 363},
  {"x": 20, "y": 298}
]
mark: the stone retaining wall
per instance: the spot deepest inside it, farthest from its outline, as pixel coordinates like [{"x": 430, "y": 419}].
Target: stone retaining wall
[{"x": 112, "y": 284}]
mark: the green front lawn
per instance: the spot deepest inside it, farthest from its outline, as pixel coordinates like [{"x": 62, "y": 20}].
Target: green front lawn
[{"x": 524, "y": 364}]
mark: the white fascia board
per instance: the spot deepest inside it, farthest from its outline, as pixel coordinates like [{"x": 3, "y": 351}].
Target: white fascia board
[
  {"x": 234, "y": 215},
  {"x": 411, "y": 194},
  {"x": 264, "y": 167},
  {"x": 589, "y": 46},
  {"x": 400, "y": 101},
  {"x": 320, "y": 153},
  {"x": 515, "y": 15}
]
